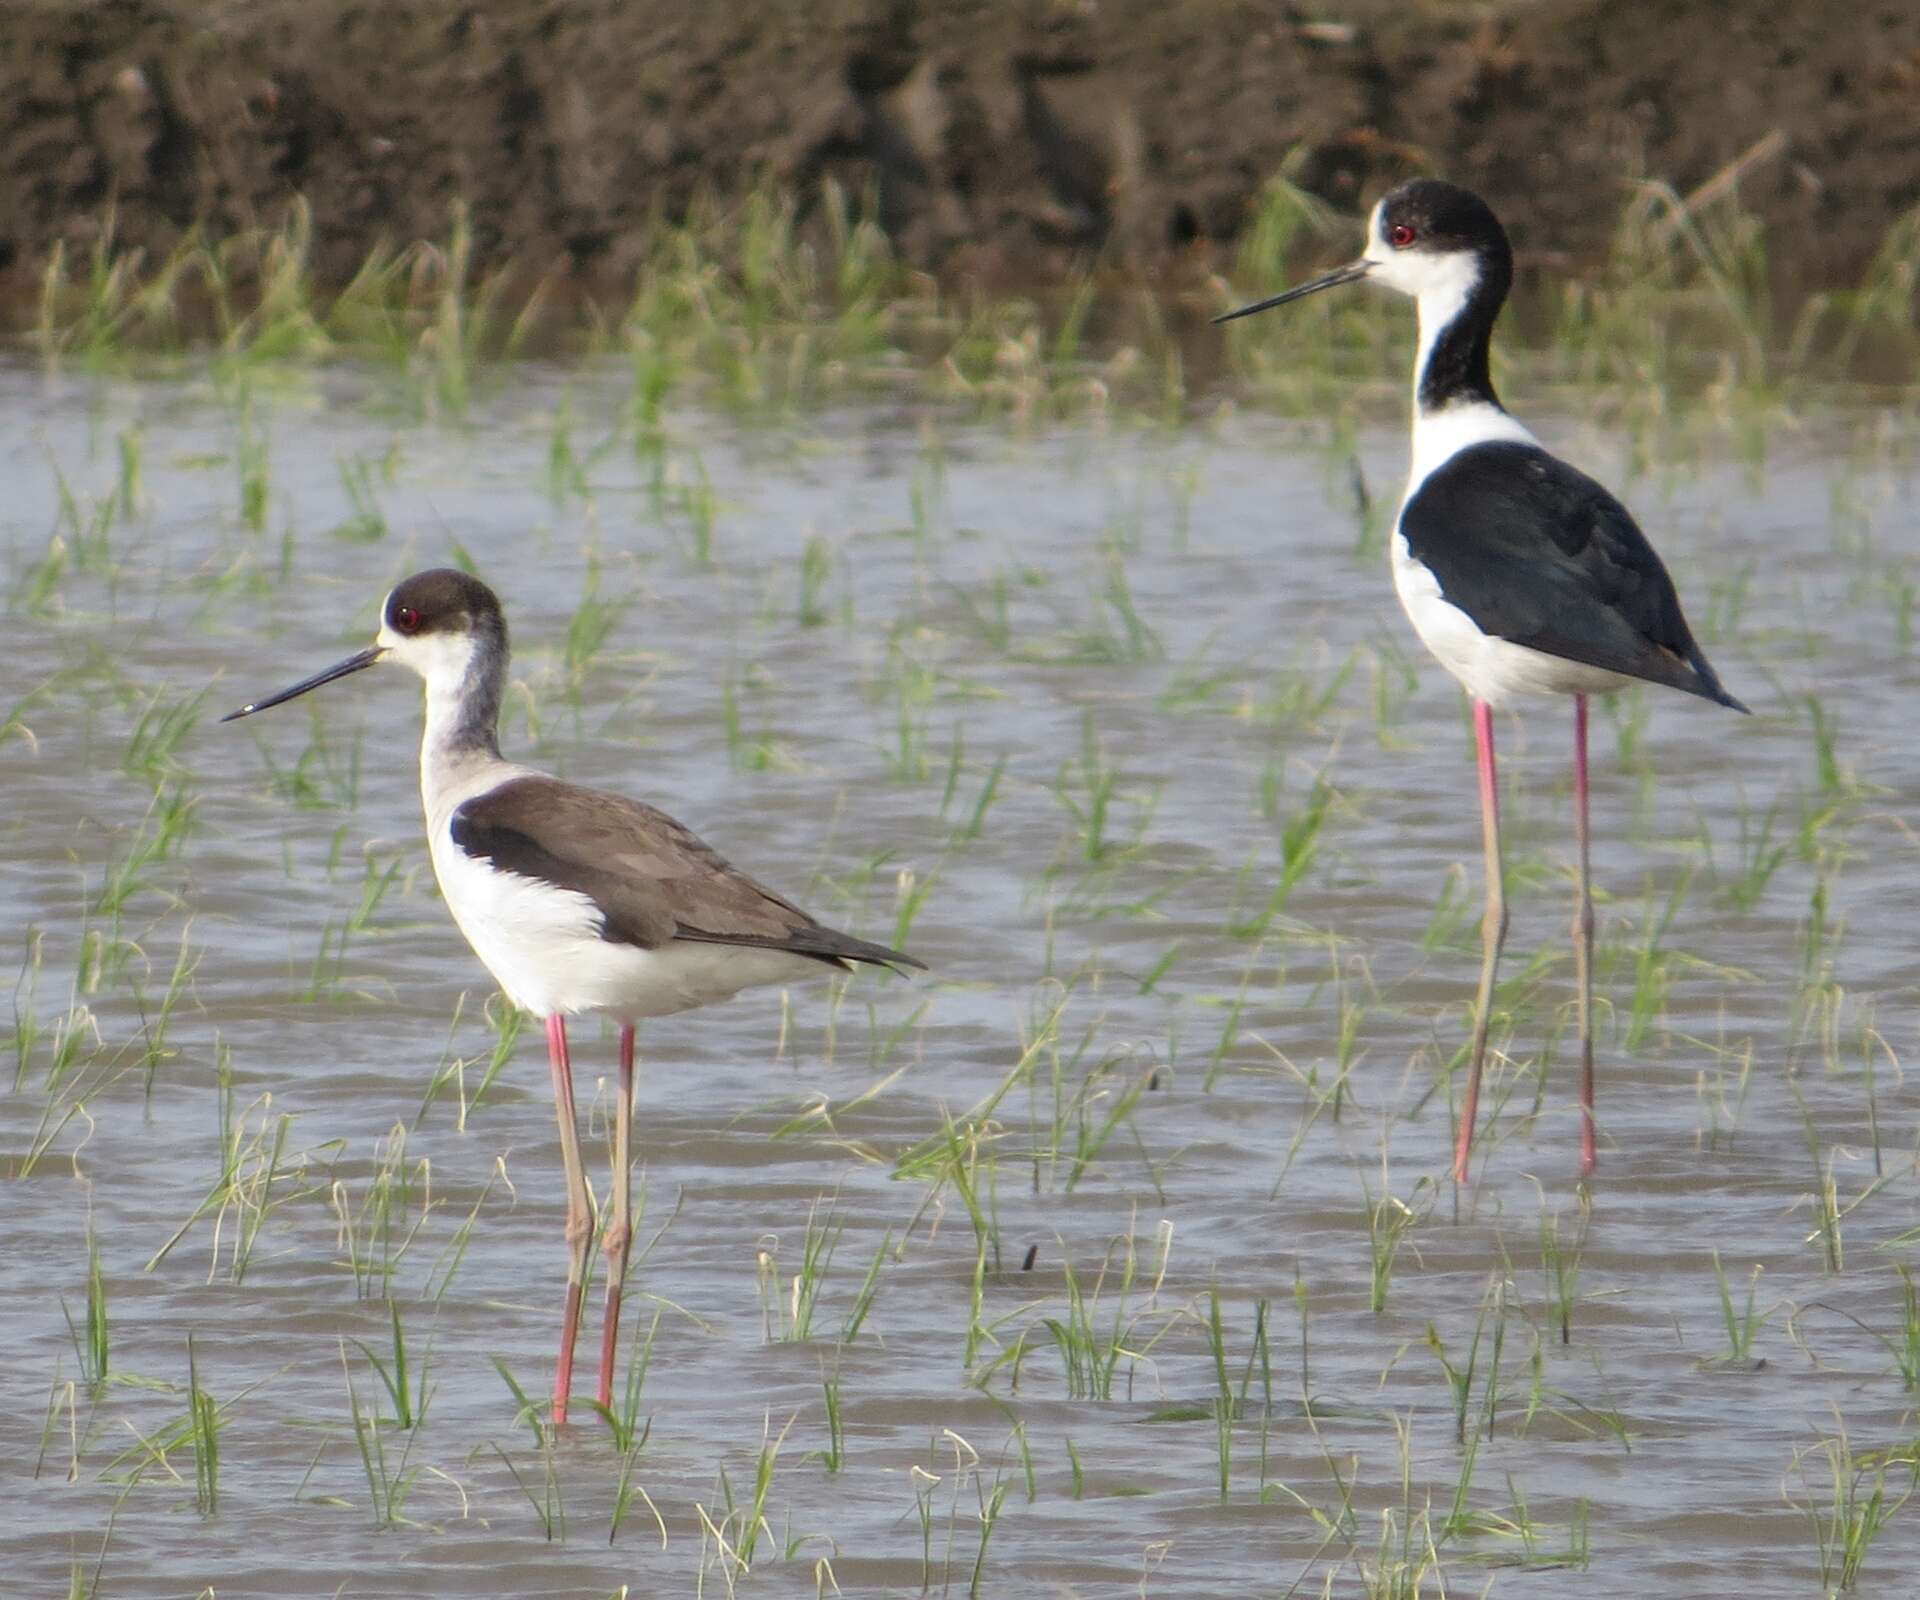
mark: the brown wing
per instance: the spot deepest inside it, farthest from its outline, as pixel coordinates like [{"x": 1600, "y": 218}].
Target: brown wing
[{"x": 653, "y": 880}]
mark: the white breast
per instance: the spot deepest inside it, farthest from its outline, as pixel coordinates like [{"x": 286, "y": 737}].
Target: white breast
[
  {"x": 1490, "y": 669},
  {"x": 1438, "y": 436}
]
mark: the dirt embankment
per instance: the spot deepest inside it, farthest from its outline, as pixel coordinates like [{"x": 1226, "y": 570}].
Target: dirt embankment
[{"x": 1017, "y": 137}]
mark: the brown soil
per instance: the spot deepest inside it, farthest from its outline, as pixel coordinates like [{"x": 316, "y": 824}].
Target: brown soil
[{"x": 1018, "y": 137}]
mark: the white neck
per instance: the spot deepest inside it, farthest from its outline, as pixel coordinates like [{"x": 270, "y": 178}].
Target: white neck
[
  {"x": 1446, "y": 284},
  {"x": 446, "y": 698},
  {"x": 460, "y": 706}
]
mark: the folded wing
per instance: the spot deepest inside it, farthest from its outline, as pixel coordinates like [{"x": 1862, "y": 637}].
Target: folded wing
[
  {"x": 1537, "y": 553},
  {"x": 652, "y": 879}
]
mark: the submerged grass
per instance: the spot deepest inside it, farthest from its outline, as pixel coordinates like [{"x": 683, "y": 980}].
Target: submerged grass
[
  {"x": 764, "y": 306},
  {"x": 1862, "y": 1493},
  {"x": 763, "y": 313}
]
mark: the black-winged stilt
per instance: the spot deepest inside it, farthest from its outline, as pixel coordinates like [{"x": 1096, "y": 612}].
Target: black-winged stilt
[
  {"x": 1520, "y": 573},
  {"x": 577, "y": 902}
]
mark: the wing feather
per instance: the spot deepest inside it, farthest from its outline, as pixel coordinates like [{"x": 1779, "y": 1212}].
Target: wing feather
[
  {"x": 1537, "y": 553},
  {"x": 653, "y": 879}
]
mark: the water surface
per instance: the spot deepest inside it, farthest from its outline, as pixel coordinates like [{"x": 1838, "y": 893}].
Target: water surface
[{"x": 1159, "y": 655}]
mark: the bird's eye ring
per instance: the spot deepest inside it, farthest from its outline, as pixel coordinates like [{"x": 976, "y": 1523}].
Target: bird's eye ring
[
  {"x": 406, "y": 619},
  {"x": 1400, "y": 235}
]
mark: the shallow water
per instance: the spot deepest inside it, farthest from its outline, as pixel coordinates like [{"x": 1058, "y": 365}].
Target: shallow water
[{"x": 1145, "y": 625}]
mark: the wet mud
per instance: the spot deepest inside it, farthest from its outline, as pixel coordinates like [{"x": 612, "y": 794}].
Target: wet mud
[{"x": 1017, "y": 139}]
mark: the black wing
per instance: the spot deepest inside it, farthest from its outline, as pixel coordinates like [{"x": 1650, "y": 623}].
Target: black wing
[
  {"x": 653, "y": 879},
  {"x": 1537, "y": 553}
]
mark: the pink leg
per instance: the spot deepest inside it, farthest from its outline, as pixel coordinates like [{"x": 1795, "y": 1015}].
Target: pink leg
[
  {"x": 579, "y": 1211},
  {"x": 619, "y": 1236},
  {"x": 1493, "y": 933},
  {"x": 1583, "y": 936}
]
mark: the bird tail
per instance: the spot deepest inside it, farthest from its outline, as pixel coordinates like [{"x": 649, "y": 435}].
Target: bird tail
[{"x": 1710, "y": 687}]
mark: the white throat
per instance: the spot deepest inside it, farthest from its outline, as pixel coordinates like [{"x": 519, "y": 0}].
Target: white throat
[
  {"x": 1440, "y": 285},
  {"x": 458, "y": 705},
  {"x": 448, "y": 672}
]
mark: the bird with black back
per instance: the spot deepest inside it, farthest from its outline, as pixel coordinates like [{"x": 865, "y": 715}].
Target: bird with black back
[{"x": 1520, "y": 573}]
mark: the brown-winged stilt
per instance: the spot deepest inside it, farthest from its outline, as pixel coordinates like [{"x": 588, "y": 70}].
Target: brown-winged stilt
[{"x": 578, "y": 902}]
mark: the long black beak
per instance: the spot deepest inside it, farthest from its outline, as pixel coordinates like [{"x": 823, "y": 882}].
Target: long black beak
[
  {"x": 1352, "y": 272},
  {"x": 340, "y": 669}
]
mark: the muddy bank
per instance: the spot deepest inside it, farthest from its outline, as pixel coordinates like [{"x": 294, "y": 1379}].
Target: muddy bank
[{"x": 1018, "y": 138}]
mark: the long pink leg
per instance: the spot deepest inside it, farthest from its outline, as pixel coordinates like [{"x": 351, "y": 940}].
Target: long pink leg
[
  {"x": 1583, "y": 936},
  {"x": 619, "y": 1234},
  {"x": 579, "y": 1211},
  {"x": 1493, "y": 932}
]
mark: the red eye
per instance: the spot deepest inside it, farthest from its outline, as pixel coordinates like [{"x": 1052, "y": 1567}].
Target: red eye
[
  {"x": 1401, "y": 235},
  {"x": 406, "y": 619}
]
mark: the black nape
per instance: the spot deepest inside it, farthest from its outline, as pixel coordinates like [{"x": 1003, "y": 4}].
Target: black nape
[{"x": 1459, "y": 366}]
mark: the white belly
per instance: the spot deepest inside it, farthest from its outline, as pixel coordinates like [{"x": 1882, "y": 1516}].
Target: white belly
[
  {"x": 544, "y": 949},
  {"x": 1490, "y": 669},
  {"x": 1493, "y": 670}
]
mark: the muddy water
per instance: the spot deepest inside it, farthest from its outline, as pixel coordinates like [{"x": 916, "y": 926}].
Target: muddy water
[{"x": 967, "y": 562}]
